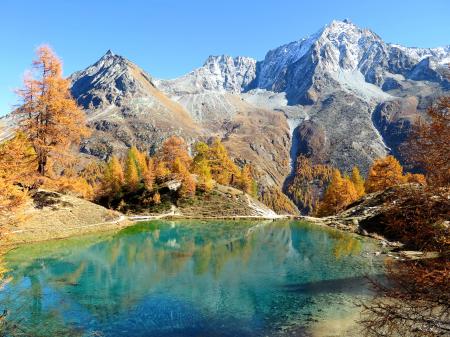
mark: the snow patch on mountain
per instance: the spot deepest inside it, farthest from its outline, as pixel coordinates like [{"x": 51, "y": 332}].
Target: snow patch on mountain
[{"x": 218, "y": 73}]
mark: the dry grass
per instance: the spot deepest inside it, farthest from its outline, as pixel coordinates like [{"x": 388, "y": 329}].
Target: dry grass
[{"x": 51, "y": 215}]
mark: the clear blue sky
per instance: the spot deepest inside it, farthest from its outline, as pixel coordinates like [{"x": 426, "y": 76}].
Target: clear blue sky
[{"x": 171, "y": 37}]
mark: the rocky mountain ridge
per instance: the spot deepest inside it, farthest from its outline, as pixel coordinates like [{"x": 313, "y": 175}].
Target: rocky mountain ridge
[{"x": 341, "y": 96}]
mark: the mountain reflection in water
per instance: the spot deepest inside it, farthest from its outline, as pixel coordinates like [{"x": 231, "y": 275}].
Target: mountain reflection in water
[{"x": 187, "y": 278}]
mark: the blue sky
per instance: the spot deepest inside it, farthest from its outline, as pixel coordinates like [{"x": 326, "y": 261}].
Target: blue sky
[{"x": 171, "y": 37}]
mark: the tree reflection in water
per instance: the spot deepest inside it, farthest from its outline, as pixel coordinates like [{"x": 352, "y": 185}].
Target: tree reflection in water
[{"x": 187, "y": 275}]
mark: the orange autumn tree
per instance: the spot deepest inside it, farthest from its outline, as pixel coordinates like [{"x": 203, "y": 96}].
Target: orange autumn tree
[
  {"x": 413, "y": 299},
  {"x": 223, "y": 169},
  {"x": 148, "y": 176},
  {"x": 428, "y": 144},
  {"x": 17, "y": 168},
  {"x": 201, "y": 167},
  {"x": 245, "y": 180},
  {"x": 173, "y": 148},
  {"x": 49, "y": 116},
  {"x": 358, "y": 182},
  {"x": 173, "y": 161},
  {"x": 113, "y": 179},
  {"x": 384, "y": 172},
  {"x": 181, "y": 172},
  {"x": 309, "y": 178},
  {"x": 340, "y": 193},
  {"x": 131, "y": 172}
]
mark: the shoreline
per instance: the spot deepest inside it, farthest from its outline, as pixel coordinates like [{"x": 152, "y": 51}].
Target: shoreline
[
  {"x": 13, "y": 238},
  {"x": 17, "y": 237}
]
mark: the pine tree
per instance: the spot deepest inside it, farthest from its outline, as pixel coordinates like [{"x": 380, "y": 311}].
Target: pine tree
[
  {"x": 385, "y": 172},
  {"x": 358, "y": 182},
  {"x": 49, "y": 116}
]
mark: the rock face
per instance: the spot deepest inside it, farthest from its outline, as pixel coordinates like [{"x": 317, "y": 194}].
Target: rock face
[{"x": 124, "y": 107}]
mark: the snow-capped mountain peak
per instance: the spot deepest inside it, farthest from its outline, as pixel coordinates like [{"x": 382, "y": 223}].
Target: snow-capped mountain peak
[{"x": 221, "y": 73}]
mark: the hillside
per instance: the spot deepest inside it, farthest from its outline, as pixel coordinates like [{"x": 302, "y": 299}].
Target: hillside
[
  {"x": 51, "y": 215},
  {"x": 221, "y": 202}
]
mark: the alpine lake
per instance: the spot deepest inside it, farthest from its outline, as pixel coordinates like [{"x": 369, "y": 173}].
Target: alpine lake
[{"x": 190, "y": 278}]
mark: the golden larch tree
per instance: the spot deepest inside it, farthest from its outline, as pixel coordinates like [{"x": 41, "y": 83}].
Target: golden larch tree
[
  {"x": 415, "y": 178},
  {"x": 131, "y": 172},
  {"x": 201, "y": 167},
  {"x": 339, "y": 194},
  {"x": 17, "y": 170},
  {"x": 156, "y": 198},
  {"x": 384, "y": 172},
  {"x": 428, "y": 144},
  {"x": 181, "y": 173},
  {"x": 246, "y": 179},
  {"x": 48, "y": 115},
  {"x": 223, "y": 169},
  {"x": 149, "y": 175},
  {"x": 114, "y": 177},
  {"x": 174, "y": 148},
  {"x": 358, "y": 182},
  {"x": 162, "y": 172}
]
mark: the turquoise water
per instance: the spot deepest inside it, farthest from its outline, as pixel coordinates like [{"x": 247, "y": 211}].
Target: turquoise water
[{"x": 186, "y": 278}]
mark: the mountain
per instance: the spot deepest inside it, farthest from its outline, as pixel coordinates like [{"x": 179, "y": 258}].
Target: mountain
[
  {"x": 341, "y": 96},
  {"x": 347, "y": 95},
  {"x": 124, "y": 107}
]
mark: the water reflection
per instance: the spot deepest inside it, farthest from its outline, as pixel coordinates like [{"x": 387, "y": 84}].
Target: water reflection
[{"x": 188, "y": 278}]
